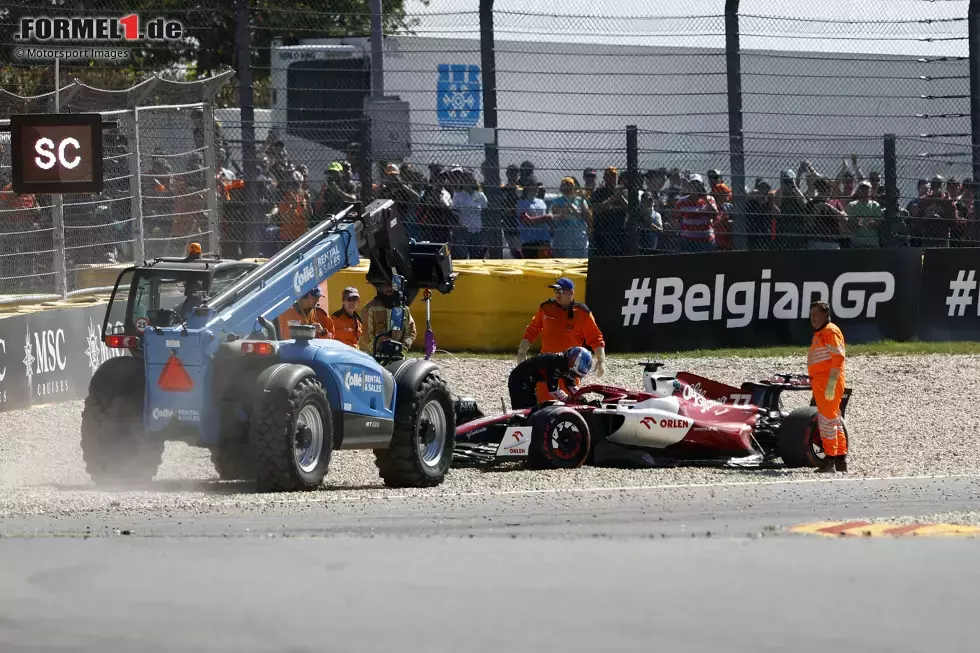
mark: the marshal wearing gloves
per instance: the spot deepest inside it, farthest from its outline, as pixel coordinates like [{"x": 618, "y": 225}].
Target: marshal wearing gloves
[
  {"x": 562, "y": 324},
  {"x": 825, "y": 365}
]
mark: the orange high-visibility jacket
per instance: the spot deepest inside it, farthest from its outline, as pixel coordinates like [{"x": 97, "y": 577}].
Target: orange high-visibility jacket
[
  {"x": 826, "y": 352},
  {"x": 347, "y": 328},
  {"x": 317, "y": 315},
  {"x": 561, "y": 328},
  {"x": 293, "y": 216}
]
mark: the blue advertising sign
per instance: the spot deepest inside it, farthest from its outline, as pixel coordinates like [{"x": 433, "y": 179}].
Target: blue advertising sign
[{"x": 459, "y": 90}]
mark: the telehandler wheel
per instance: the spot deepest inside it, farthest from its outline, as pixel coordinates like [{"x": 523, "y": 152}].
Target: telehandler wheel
[
  {"x": 291, "y": 438},
  {"x": 115, "y": 447},
  {"x": 421, "y": 449}
]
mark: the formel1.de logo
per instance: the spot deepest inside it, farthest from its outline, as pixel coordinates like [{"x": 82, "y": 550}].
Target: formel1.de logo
[{"x": 88, "y": 29}]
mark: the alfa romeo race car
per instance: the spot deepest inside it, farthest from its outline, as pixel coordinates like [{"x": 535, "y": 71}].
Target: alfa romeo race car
[{"x": 678, "y": 419}]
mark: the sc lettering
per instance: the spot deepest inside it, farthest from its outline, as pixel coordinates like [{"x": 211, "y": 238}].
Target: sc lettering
[{"x": 47, "y": 159}]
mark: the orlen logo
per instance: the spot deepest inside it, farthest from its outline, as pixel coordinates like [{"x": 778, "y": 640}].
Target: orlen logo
[
  {"x": 518, "y": 435},
  {"x": 650, "y": 422},
  {"x": 303, "y": 276},
  {"x": 162, "y": 413}
]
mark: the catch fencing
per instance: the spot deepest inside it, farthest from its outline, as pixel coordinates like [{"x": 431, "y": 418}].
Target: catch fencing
[
  {"x": 158, "y": 193},
  {"x": 750, "y": 89},
  {"x": 753, "y": 89}
]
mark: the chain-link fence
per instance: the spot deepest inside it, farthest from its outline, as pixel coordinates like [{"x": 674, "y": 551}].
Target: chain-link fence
[
  {"x": 764, "y": 128},
  {"x": 158, "y": 194},
  {"x": 936, "y": 203}
]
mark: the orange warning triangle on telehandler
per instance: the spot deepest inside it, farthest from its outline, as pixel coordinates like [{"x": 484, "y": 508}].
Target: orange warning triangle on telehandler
[{"x": 174, "y": 378}]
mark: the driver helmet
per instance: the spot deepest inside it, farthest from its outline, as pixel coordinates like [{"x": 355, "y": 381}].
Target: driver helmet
[{"x": 579, "y": 361}]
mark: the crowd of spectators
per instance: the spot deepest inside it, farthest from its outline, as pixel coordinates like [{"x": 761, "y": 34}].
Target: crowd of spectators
[{"x": 678, "y": 210}]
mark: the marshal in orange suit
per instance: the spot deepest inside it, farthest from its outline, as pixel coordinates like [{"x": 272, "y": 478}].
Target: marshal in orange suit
[
  {"x": 563, "y": 323},
  {"x": 825, "y": 365}
]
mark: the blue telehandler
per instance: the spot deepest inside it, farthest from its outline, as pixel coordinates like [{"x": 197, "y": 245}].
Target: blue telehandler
[{"x": 204, "y": 363}]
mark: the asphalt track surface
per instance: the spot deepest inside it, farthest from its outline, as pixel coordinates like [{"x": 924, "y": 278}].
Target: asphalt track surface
[
  {"x": 698, "y": 567},
  {"x": 510, "y": 560}
]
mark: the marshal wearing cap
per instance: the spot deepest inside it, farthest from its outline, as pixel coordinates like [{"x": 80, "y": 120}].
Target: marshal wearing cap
[{"x": 563, "y": 323}]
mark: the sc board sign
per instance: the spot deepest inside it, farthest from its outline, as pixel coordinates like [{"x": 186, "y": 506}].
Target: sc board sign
[{"x": 56, "y": 153}]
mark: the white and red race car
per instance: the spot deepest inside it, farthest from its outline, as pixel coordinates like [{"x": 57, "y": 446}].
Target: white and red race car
[{"x": 678, "y": 419}]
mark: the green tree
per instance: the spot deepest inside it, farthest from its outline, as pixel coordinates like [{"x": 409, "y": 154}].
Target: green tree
[{"x": 210, "y": 46}]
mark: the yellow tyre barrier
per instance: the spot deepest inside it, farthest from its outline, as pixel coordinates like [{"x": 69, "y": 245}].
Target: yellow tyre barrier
[
  {"x": 491, "y": 305},
  {"x": 488, "y": 311}
]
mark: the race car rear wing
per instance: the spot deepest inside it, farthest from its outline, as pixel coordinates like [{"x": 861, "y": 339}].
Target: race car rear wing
[{"x": 765, "y": 394}]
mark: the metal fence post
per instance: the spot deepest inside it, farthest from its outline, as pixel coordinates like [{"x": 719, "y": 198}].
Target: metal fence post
[
  {"x": 136, "y": 189},
  {"x": 377, "y": 51},
  {"x": 211, "y": 168},
  {"x": 250, "y": 164},
  {"x": 633, "y": 191},
  {"x": 891, "y": 190},
  {"x": 491, "y": 162},
  {"x": 736, "y": 139},
  {"x": 60, "y": 259},
  {"x": 365, "y": 161},
  {"x": 973, "y": 22},
  {"x": 58, "y": 213}
]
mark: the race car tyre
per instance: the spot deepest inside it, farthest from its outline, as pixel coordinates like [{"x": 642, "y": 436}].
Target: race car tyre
[
  {"x": 560, "y": 439},
  {"x": 233, "y": 462},
  {"x": 799, "y": 440},
  {"x": 421, "y": 449},
  {"x": 115, "y": 447},
  {"x": 291, "y": 438}
]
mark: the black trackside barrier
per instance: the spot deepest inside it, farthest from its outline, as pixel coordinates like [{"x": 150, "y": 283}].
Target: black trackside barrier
[
  {"x": 949, "y": 304},
  {"x": 752, "y": 299},
  {"x": 894, "y": 294},
  {"x": 14, "y": 393}
]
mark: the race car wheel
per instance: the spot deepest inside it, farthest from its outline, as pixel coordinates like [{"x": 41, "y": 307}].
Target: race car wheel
[
  {"x": 560, "y": 439},
  {"x": 799, "y": 439}
]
